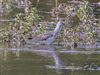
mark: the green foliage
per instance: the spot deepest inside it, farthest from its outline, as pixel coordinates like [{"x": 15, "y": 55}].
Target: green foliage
[
  {"x": 24, "y": 22},
  {"x": 28, "y": 20},
  {"x": 84, "y": 11},
  {"x": 78, "y": 28}
]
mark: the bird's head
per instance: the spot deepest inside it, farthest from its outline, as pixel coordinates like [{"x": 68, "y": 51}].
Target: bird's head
[{"x": 62, "y": 22}]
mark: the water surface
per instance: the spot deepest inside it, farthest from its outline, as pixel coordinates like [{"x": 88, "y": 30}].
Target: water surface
[{"x": 49, "y": 60}]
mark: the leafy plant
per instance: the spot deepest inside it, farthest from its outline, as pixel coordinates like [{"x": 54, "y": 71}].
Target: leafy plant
[
  {"x": 24, "y": 22},
  {"x": 78, "y": 28},
  {"x": 84, "y": 11},
  {"x": 28, "y": 20}
]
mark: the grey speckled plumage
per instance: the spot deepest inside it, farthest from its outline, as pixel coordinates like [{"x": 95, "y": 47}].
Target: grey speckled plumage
[{"x": 50, "y": 37}]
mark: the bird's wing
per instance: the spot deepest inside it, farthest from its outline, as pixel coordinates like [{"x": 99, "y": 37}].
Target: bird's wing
[{"x": 45, "y": 37}]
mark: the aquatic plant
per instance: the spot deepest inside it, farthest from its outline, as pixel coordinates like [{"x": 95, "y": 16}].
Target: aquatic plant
[
  {"x": 80, "y": 23},
  {"x": 28, "y": 20},
  {"x": 22, "y": 27}
]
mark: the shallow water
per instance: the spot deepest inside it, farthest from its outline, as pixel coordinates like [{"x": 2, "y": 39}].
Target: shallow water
[{"x": 49, "y": 60}]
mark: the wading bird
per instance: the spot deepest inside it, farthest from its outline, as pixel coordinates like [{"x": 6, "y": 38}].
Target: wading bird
[{"x": 49, "y": 38}]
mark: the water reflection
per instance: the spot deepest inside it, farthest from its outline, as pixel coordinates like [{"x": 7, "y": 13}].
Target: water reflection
[
  {"x": 58, "y": 63},
  {"x": 50, "y": 52},
  {"x": 49, "y": 60}
]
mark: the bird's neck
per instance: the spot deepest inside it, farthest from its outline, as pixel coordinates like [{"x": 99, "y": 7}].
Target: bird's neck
[{"x": 58, "y": 28}]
